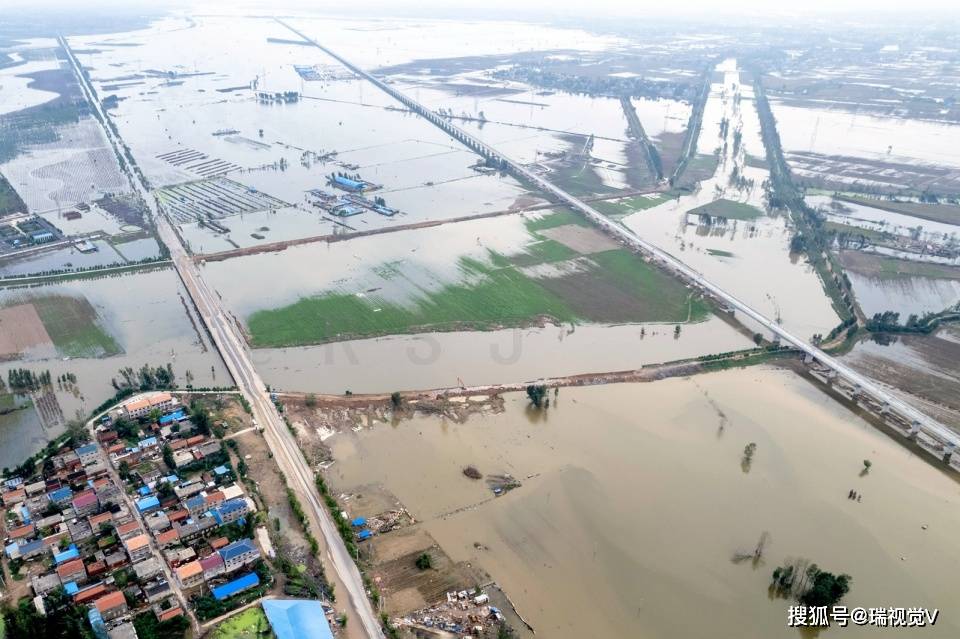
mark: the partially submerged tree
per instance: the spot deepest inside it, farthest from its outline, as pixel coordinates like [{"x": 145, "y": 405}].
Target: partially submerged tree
[{"x": 537, "y": 393}]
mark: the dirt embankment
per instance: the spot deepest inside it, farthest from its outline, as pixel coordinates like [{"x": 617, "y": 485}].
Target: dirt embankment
[{"x": 459, "y": 401}]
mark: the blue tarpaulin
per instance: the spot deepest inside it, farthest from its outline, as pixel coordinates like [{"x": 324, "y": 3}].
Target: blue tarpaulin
[
  {"x": 364, "y": 534},
  {"x": 358, "y": 522},
  {"x": 67, "y": 555},
  {"x": 148, "y": 503},
  {"x": 297, "y": 619}
]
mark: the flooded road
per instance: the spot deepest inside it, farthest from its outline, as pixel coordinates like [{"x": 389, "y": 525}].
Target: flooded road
[{"x": 634, "y": 501}]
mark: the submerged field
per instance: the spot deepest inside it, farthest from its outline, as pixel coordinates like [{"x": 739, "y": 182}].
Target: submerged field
[
  {"x": 563, "y": 272},
  {"x": 625, "y": 206},
  {"x": 728, "y": 209},
  {"x": 70, "y": 324}
]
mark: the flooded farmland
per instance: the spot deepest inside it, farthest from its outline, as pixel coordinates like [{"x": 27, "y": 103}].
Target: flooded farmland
[
  {"x": 379, "y": 224},
  {"x": 749, "y": 256},
  {"x": 841, "y": 149},
  {"x": 881, "y": 283},
  {"x": 620, "y": 484},
  {"x": 923, "y": 368},
  {"x": 551, "y": 328},
  {"x": 442, "y": 360},
  {"x": 143, "y": 316}
]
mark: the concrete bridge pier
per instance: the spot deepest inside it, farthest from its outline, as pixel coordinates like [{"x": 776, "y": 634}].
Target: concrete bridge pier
[
  {"x": 948, "y": 451},
  {"x": 856, "y": 392},
  {"x": 914, "y": 430}
]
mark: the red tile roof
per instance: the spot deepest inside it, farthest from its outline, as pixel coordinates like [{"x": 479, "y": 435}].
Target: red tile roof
[
  {"x": 108, "y": 602},
  {"x": 21, "y": 531},
  {"x": 71, "y": 568},
  {"x": 90, "y": 594},
  {"x": 166, "y": 615},
  {"x": 219, "y": 543}
]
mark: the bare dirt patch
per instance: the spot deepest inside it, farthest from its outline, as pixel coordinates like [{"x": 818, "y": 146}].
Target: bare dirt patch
[
  {"x": 370, "y": 501},
  {"x": 407, "y": 587},
  {"x": 582, "y": 239},
  {"x": 21, "y": 329}
]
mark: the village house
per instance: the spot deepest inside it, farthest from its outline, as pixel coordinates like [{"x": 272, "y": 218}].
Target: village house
[{"x": 111, "y": 606}]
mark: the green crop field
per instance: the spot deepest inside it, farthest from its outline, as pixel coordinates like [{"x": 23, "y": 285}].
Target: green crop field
[
  {"x": 493, "y": 292},
  {"x": 542, "y": 252},
  {"x": 728, "y": 209},
  {"x": 554, "y": 219},
  {"x": 250, "y": 624},
  {"x": 856, "y": 231},
  {"x": 74, "y": 327}
]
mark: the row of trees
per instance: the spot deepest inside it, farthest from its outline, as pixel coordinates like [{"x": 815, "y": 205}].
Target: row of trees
[
  {"x": 22, "y": 380},
  {"x": 889, "y": 322},
  {"x": 146, "y": 379}
]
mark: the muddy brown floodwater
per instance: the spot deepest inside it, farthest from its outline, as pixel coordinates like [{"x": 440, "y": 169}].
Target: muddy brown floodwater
[{"x": 634, "y": 501}]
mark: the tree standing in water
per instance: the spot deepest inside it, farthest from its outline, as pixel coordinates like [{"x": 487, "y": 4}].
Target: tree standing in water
[{"x": 537, "y": 393}]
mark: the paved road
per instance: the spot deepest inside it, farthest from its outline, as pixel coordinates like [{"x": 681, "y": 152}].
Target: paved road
[
  {"x": 232, "y": 347},
  {"x": 867, "y": 386}
]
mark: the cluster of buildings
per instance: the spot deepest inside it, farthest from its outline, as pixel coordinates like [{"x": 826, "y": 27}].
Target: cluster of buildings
[
  {"x": 113, "y": 524},
  {"x": 348, "y": 204},
  {"x": 23, "y": 231}
]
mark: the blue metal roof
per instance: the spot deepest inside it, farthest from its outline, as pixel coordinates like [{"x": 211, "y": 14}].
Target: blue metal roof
[
  {"x": 144, "y": 490},
  {"x": 31, "y": 547},
  {"x": 221, "y": 470},
  {"x": 71, "y": 587},
  {"x": 86, "y": 450},
  {"x": 196, "y": 500},
  {"x": 147, "y": 442},
  {"x": 237, "y": 503},
  {"x": 24, "y": 514},
  {"x": 66, "y": 555},
  {"x": 347, "y": 182},
  {"x": 297, "y": 619},
  {"x": 239, "y": 584},
  {"x": 228, "y": 507},
  {"x": 60, "y": 494},
  {"x": 148, "y": 503},
  {"x": 236, "y": 549}
]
